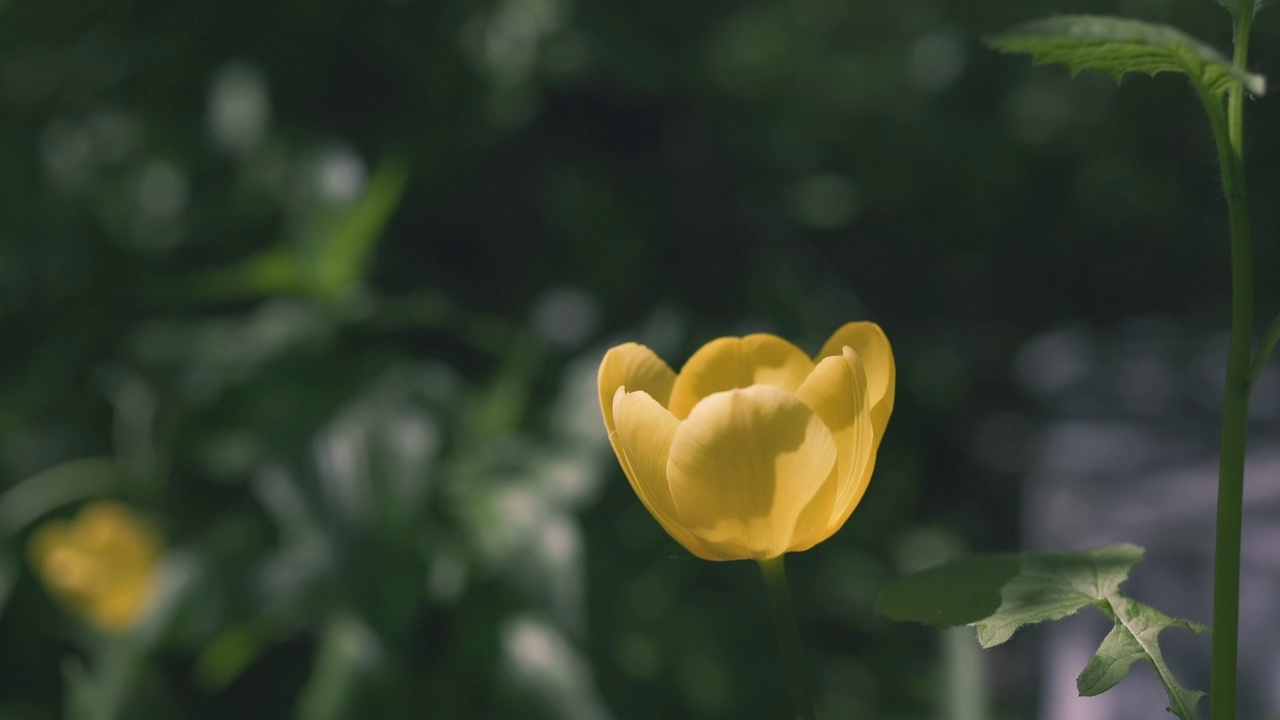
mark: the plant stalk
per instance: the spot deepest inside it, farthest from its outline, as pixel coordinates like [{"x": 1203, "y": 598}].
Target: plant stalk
[
  {"x": 1228, "y": 135},
  {"x": 1264, "y": 351},
  {"x": 1240, "y": 58},
  {"x": 775, "y": 582}
]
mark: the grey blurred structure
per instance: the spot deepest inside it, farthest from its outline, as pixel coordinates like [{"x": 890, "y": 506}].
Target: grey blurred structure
[{"x": 1125, "y": 450}]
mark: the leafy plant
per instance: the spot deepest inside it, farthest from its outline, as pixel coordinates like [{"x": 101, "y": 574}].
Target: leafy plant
[{"x": 1002, "y": 594}]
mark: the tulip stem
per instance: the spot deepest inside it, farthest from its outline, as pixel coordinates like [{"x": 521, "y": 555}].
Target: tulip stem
[
  {"x": 775, "y": 582},
  {"x": 1228, "y": 134}
]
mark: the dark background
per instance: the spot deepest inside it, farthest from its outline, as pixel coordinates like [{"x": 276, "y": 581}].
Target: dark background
[{"x": 325, "y": 284}]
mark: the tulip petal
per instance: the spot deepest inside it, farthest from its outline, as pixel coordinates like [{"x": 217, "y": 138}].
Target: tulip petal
[
  {"x": 745, "y": 466},
  {"x": 837, "y": 392},
  {"x": 732, "y": 362},
  {"x": 102, "y": 563},
  {"x": 635, "y": 367},
  {"x": 643, "y": 438},
  {"x": 872, "y": 347},
  {"x": 118, "y": 609}
]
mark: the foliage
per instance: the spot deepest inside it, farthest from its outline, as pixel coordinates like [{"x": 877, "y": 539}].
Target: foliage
[
  {"x": 998, "y": 594},
  {"x": 320, "y": 289},
  {"x": 1116, "y": 46}
]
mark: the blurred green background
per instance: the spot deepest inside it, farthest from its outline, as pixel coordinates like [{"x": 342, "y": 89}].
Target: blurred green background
[{"x": 319, "y": 288}]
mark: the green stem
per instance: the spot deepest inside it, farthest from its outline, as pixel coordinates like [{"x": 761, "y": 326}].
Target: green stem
[
  {"x": 1228, "y": 133},
  {"x": 1264, "y": 351},
  {"x": 1240, "y": 58},
  {"x": 775, "y": 581}
]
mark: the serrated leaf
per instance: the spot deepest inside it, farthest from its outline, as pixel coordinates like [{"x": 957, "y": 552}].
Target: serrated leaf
[
  {"x": 1116, "y": 46},
  {"x": 1136, "y": 636},
  {"x": 999, "y": 594},
  {"x": 1051, "y": 587}
]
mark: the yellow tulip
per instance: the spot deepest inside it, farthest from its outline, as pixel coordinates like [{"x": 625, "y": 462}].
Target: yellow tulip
[
  {"x": 753, "y": 450},
  {"x": 102, "y": 563}
]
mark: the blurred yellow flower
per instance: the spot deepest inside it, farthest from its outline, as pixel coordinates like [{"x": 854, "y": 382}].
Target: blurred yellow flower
[
  {"x": 102, "y": 563},
  {"x": 753, "y": 450}
]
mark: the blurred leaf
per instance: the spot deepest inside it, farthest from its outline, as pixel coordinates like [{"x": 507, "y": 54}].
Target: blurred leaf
[
  {"x": 335, "y": 268},
  {"x": 1136, "y": 636},
  {"x": 999, "y": 594},
  {"x": 1115, "y": 46},
  {"x": 541, "y": 661},
  {"x": 429, "y": 307},
  {"x": 226, "y": 657},
  {"x": 375, "y": 460},
  {"x": 957, "y": 593},
  {"x": 139, "y": 455},
  {"x": 59, "y": 485},
  {"x": 345, "y": 254},
  {"x": 504, "y": 404},
  {"x": 349, "y": 658},
  {"x": 272, "y": 272},
  {"x": 10, "y": 568},
  {"x": 80, "y": 696},
  {"x": 102, "y": 688},
  {"x": 210, "y": 356}
]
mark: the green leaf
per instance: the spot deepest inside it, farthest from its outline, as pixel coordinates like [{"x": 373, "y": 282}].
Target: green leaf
[
  {"x": 1116, "y": 46},
  {"x": 961, "y": 592},
  {"x": 350, "y": 668},
  {"x": 227, "y": 656},
  {"x": 999, "y": 594},
  {"x": 346, "y": 251},
  {"x": 50, "y": 489},
  {"x": 1136, "y": 637},
  {"x": 333, "y": 268},
  {"x": 274, "y": 271},
  {"x": 1051, "y": 587}
]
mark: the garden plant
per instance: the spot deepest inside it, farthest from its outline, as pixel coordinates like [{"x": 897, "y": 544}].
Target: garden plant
[
  {"x": 337, "y": 379},
  {"x": 739, "y": 483},
  {"x": 1003, "y": 594}
]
